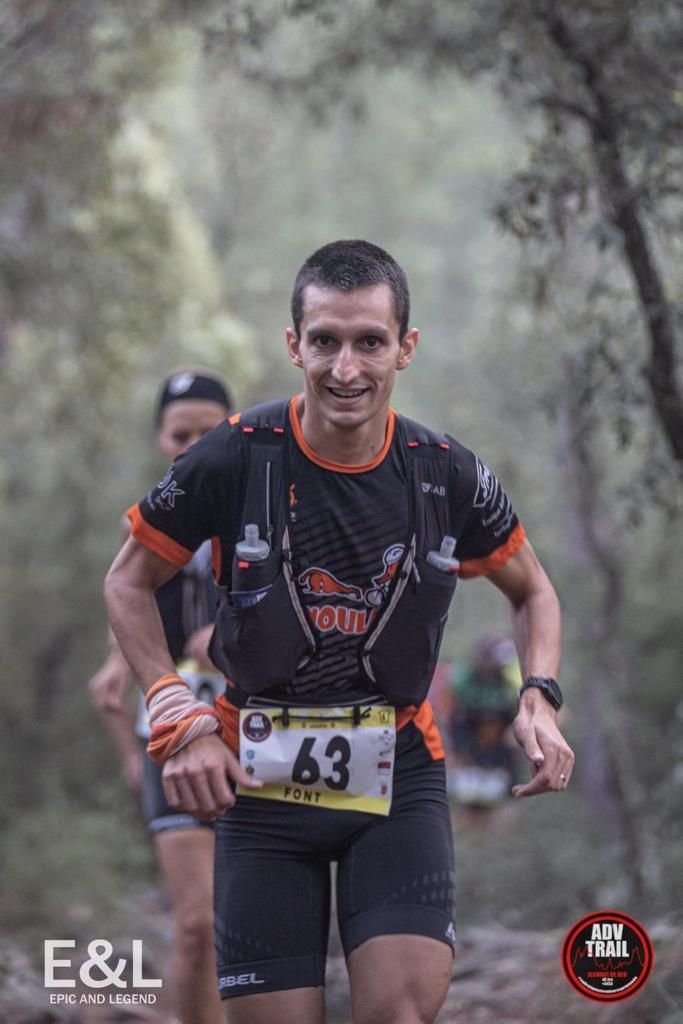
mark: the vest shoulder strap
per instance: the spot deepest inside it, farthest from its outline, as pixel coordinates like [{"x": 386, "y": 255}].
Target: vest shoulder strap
[
  {"x": 266, "y": 416},
  {"x": 416, "y": 435},
  {"x": 264, "y": 428},
  {"x": 431, "y": 480}
]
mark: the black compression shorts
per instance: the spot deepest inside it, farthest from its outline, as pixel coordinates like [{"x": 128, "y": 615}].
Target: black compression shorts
[{"x": 272, "y": 880}]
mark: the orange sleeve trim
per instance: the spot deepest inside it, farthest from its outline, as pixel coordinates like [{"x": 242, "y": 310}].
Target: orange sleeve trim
[
  {"x": 338, "y": 467},
  {"x": 423, "y": 719},
  {"x": 155, "y": 540},
  {"x": 497, "y": 559}
]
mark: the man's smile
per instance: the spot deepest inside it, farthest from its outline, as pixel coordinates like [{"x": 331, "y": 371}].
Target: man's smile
[{"x": 346, "y": 393}]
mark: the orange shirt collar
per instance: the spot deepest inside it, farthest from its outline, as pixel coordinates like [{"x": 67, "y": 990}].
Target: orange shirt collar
[{"x": 338, "y": 467}]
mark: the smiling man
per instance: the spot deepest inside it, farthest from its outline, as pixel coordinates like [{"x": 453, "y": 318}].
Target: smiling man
[{"x": 339, "y": 530}]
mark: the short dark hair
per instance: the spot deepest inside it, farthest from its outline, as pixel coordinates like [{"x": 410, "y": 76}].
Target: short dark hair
[{"x": 347, "y": 265}]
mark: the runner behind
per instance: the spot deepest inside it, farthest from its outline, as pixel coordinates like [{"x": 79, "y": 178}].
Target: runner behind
[{"x": 189, "y": 405}]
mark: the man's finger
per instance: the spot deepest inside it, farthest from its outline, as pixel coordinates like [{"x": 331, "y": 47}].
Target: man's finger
[
  {"x": 200, "y": 782},
  {"x": 528, "y": 741},
  {"x": 170, "y": 789},
  {"x": 172, "y": 785},
  {"x": 539, "y": 784},
  {"x": 223, "y": 796},
  {"x": 566, "y": 767},
  {"x": 551, "y": 777},
  {"x": 239, "y": 775}
]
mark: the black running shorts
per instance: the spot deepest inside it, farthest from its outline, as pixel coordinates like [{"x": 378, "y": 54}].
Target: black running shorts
[{"x": 272, "y": 880}]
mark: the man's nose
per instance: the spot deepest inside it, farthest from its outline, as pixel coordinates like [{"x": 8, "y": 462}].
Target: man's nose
[{"x": 345, "y": 368}]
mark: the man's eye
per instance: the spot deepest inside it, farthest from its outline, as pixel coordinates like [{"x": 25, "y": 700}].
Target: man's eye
[
  {"x": 181, "y": 438},
  {"x": 372, "y": 342},
  {"x": 323, "y": 340}
]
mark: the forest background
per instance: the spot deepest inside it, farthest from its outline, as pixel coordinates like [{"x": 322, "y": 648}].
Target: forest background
[{"x": 165, "y": 168}]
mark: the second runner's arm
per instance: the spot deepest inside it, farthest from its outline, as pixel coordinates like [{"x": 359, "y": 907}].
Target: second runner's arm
[{"x": 195, "y": 778}]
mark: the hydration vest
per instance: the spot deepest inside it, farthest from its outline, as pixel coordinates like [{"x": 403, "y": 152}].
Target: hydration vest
[{"x": 261, "y": 646}]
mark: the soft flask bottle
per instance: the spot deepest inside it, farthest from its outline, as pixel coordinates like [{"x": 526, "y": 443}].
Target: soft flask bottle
[{"x": 249, "y": 583}]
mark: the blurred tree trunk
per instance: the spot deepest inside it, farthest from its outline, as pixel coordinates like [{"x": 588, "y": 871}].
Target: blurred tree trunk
[
  {"x": 621, "y": 198},
  {"x": 607, "y": 772}
]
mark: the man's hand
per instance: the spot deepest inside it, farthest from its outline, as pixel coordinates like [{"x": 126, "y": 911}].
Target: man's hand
[
  {"x": 109, "y": 685},
  {"x": 535, "y": 729},
  {"x": 196, "y": 778}
]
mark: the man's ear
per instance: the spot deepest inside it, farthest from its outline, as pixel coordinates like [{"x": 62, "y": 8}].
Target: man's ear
[
  {"x": 407, "y": 348},
  {"x": 294, "y": 347}
]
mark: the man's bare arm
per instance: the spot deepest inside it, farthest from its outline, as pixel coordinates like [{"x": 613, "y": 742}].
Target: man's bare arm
[
  {"x": 537, "y": 629},
  {"x": 535, "y": 609},
  {"x": 129, "y": 595}
]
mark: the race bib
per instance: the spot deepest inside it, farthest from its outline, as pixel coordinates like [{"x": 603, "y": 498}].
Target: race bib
[{"x": 340, "y": 758}]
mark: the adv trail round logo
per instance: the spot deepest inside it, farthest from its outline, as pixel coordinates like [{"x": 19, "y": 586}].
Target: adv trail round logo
[{"x": 607, "y": 956}]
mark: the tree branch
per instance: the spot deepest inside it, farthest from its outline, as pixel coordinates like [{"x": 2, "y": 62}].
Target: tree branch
[
  {"x": 625, "y": 214},
  {"x": 549, "y": 102}
]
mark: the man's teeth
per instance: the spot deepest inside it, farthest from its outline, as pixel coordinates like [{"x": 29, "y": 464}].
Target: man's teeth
[{"x": 338, "y": 393}]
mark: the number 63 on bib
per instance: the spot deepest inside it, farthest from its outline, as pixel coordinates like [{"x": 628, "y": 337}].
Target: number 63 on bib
[{"x": 339, "y": 758}]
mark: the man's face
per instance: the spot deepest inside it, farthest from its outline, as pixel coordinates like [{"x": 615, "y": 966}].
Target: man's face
[
  {"x": 349, "y": 350},
  {"x": 184, "y": 422}
]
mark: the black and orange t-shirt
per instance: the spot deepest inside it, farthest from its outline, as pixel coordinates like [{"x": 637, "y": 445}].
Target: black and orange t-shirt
[{"x": 348, "y": 528}]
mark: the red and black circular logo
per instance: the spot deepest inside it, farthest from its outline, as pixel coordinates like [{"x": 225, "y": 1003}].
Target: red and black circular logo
[
  {"x": 607, "y": 956},
  {"x": 257, "y": 727}
]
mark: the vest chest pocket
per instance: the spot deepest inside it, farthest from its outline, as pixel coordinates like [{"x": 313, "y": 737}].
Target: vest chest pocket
[
  {"x": 260, "y": 644},
  {"x": 401, "y": 656}
]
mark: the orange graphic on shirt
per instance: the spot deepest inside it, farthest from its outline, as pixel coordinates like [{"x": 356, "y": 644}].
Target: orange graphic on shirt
[
  {"x": 320, "y": 581},
  {"x": 330, "y": 618}
]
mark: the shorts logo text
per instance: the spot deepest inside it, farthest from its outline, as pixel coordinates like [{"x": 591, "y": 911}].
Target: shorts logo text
[{"x": 240, "y": 979}]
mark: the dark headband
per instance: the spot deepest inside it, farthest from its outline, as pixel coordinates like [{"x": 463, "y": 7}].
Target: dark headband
[{"x": 187, "y": 385}]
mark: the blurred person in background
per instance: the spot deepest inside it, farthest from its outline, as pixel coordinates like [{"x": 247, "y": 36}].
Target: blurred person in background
[
  {"x": 189, "y": 405},
  {"x": 482, "y": 704}
]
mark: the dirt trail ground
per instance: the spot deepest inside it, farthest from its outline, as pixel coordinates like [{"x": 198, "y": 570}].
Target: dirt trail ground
[{"x": 500, "y": 976}]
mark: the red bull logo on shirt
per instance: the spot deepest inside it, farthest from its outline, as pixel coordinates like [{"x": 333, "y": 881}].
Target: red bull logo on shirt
[
  {"x": 320, "y": 581},
  {"x": 329, "y": 618}
]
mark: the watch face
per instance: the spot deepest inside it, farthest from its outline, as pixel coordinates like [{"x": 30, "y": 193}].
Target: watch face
[
  {"x": 548, "y": 687},
  {"x": 554, "y": 691}
]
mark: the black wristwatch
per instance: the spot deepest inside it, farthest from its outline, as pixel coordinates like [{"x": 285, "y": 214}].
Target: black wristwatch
[{"x": 548, "y": 687}]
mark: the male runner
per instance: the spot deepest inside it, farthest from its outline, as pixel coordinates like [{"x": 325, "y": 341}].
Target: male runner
[
  {"x": 329, "y": 650},
  {"x": 189, "y": 405}
]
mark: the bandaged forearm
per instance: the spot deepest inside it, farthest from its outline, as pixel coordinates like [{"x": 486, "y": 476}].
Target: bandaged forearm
[{"x": 176, "y": 717}]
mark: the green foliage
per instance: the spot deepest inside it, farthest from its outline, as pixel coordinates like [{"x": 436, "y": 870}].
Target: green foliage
[{"x": 70, "y": 864}]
